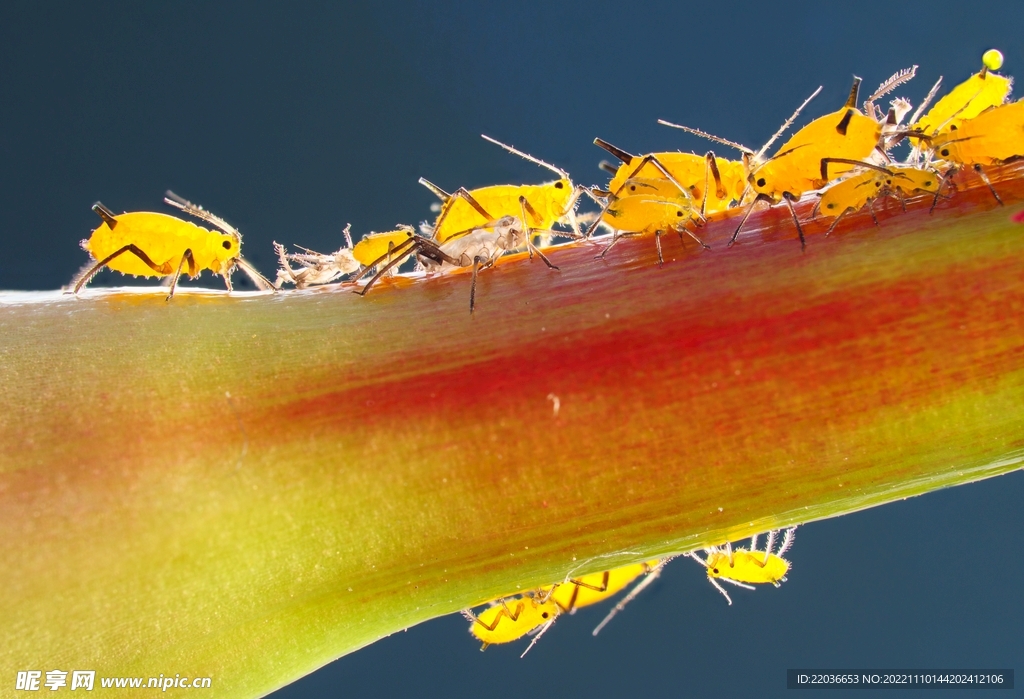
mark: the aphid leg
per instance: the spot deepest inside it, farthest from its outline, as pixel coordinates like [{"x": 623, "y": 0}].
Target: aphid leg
[
  {"x": 750, "y": 210},
  {"x": 728, "y": 550},
  {"x": 787, "y": 541},
  {"x": 348, "y": 235},
  {"x": 187, "y": 255},
  {"x": 607, "y": 167},
  {"x": 871, "y": 209},
  {"x": 769, "y": 545},
  {"x": 848, "y": 161},
  {"x": 652, "y": 575},
  {"x": 657, "y": 244},
  {"x": 460, "y": 193},
  {"x": 788, "y": 198},
  {"x": 411, "y": 244},
  {"x": 472, "y": 286},
  {"x": 947, "y": 177},
  {"x": 902, "y": 199},
  {"x": 984, "y": 177},
  {"x": 653, "y": 160},
  {"x": 693, "y": 235},
  {"x": 836, "y": 222},
  {"x": 753, "y": 542},
  {"x": 286, "y": 273},
  {"x": 84, "y": 277},
  {"x": 549, "y": 263},
  {"x": 616, "y": 237},
  {"x": 577, "y": 584}
]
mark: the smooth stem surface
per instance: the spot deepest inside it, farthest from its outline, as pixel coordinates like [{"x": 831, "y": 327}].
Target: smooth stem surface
[{"x": 247, "y": 487}]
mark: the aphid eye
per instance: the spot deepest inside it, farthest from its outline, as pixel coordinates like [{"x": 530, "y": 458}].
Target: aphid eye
[
  {"x": 928, "y": 183},
  {"x": 679, "y": 213},
  {"x": 716, "y": 570},
  {"x": 945, "y": 152},
  {"x": 544, "y": 615},
  {"x": 830, "y": 206},
  {"x": 632, "y": 187},
  {"x": 760, "y": 182},
  {"x": 226, "y": 244},
  {"x": 559, "y": 185}
]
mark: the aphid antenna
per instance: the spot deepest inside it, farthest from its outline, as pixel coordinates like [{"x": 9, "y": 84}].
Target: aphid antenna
[
  {"x": 527, "y": 156},
  {"x": 720, "y": 589},
  {"x": 787, "y": 540},
  {"x": 927, "y": 100},
  {"x": 711, "y": 137},
  {"x": 955, "y": 114},
  {"x": 199, "y": 212},
  {"x": 789, "y": 122},
  {"x": 543, "y": 630}
]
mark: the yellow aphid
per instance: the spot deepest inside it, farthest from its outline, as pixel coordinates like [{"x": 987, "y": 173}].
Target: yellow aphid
[
  {"x": 991, "y": 138},
  {"x": 596, "y": 587},
  {"x": 478, "y": 248},
  {"x": 648, "y": 214},
  {"x": 510, "y": 619},
  {"x": 374, "y": 248},
  {"x": 714, "y": 184},
  {"x": 539, "y": 206},
  {"x": 747, "y": 568},
  {"x": 967, "y": 100},
  {"x": 863, "y": 188},
  {"x": 797, "y": 166},
  {"x": 151, "y": 244},
  {"x": 314, "y": 267}
]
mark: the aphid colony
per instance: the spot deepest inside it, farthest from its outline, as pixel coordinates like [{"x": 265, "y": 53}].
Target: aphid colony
[
  {"x": 843, "y": 159},
  {"x": 511, "y": 617}
]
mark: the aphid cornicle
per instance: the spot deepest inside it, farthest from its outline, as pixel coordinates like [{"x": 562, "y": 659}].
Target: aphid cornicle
[
  {"x": 540, "y": 207},
  {"x": 150, "y": 244},
  {"x": 747, "y": 568}
]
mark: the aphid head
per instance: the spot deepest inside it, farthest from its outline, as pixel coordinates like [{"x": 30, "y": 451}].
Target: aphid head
[
  {"x": 226, "y": 248},
  {"x": 760, "y": 182}
]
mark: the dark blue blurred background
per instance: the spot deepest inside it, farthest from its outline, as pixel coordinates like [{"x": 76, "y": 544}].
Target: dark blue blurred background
[{"x": 292, "y": 119}]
